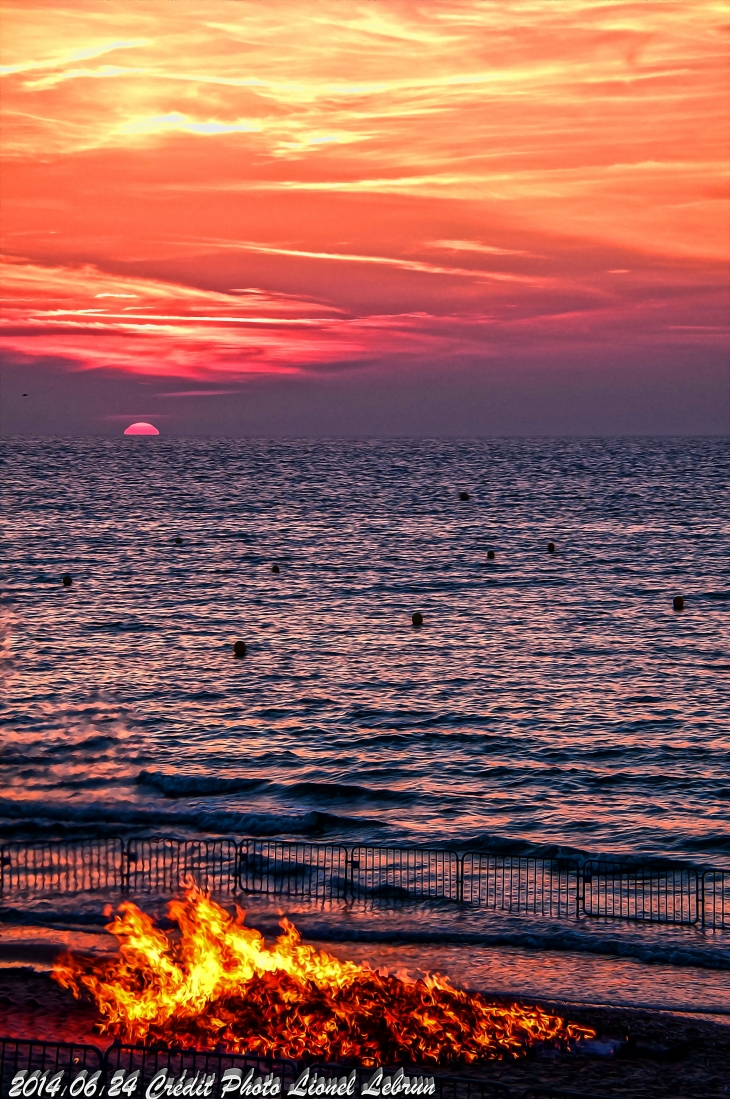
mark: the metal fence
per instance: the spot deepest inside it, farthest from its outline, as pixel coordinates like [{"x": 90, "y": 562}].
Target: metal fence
[
  {"x": 162, "y": 865},
  {"x": 533, "y": 886},
  {"x": 716, "y": 898},
  {"x": 27, "y": 1069},
  {"x": 43, "y": 1061},
  {"x": 284, "y": 869},
  {"x": 74, "y": 866},
  {"x": 386, "y": 876},
  {"x": 642, "y": 893}
]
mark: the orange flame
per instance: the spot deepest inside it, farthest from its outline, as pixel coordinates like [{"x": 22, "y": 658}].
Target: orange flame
[{"x": 218, "y": 985}]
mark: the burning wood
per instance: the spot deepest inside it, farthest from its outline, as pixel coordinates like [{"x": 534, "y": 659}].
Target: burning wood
[{"x": 218, "y": 985}]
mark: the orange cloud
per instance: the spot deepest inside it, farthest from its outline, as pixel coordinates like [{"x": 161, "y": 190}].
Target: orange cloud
[
  {"x": 400, "y": 181},
  {"x": 171, "y": 330}
]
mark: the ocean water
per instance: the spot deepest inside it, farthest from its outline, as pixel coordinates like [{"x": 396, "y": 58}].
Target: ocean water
[{"x": 550, "y": 703}]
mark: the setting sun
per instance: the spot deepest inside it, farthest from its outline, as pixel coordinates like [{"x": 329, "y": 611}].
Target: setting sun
[
  {"x": 233, "y": 192},
  {"x": 141, "y": 428}
]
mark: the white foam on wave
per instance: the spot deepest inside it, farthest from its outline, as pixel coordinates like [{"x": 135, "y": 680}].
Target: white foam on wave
[
  {"x": 409, "y": 929},
  {"x": 219, "y": 821}
]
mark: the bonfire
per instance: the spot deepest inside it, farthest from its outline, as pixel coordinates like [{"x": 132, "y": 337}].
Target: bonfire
[{"x": 217, "y": 985}]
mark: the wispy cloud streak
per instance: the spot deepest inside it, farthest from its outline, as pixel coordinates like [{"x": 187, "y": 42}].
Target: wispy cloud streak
[{"x": 402, "y": 183}]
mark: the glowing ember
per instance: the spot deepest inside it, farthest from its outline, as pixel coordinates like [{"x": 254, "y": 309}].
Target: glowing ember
[{"x": 217, "y": 984}]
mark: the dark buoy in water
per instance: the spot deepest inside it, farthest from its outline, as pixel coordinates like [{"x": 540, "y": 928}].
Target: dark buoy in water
[
  {"x": 66, "y": 580},
  {"x": 463, "y": 495},
  {"x": 551, "y": 547},
  {"x": 177, "y": 540},
  {"x": 678, "y": 603},
  {"x": 417, "y": 619},
  {"x": 490, "y": 554},
  {"x": 239, "y": 648},
  {"x": 274, "y": 568}
]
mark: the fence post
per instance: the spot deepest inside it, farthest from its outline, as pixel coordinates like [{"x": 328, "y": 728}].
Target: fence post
[
  {"x": 236, "y": 865},
  {"x": 125, "y": 866},
  {"x": 349, "y": 872},
  {"x": 580, "y": 892}
]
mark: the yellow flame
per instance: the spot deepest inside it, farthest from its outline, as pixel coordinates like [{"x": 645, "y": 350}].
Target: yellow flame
[{"x": 218, "y": 983}]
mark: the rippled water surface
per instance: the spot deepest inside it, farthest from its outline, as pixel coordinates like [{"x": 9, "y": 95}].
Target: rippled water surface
[{"x": 549, "y": 700}]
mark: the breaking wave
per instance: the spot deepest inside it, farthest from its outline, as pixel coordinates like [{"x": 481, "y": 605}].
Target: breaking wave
[{"x": 119, "y": 816}]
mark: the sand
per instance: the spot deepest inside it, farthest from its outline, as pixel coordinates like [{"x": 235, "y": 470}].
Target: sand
[{"x": 667, "y": 1056}]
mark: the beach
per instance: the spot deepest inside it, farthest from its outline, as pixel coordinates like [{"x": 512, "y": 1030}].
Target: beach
[
  {"x": 554, "y": 719},
  {"x": 667, "y": 1056}
]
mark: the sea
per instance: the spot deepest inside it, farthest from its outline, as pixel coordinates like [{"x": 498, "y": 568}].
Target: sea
[{"x": 552, "y": 704}]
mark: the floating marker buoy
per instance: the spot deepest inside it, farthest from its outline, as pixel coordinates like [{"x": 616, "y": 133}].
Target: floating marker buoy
[
  {"x": 177, "y": 540},
  {"x": 463, "y": 495},
  {"x": 551, "y": 547},
  {"x": 678, "y": 603},
  {"x": 66, "y": 580},
  {"x": 274, "y": 568},
  {"x": 417, "y": 619},
  {"x": 490, "y": 554},
  {"x": 239, "y": 648}
]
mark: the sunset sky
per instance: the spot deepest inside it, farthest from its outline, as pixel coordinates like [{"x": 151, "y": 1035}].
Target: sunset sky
[{"x": 365, "y": 216}]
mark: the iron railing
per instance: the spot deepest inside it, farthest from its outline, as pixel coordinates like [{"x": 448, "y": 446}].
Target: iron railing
[
  {"x": 73, "y": 866},
  {"x": 521, "y": 884},
  {"x": 282, "y": 869},
  {"x": 386, "y": 876},
  {"x": 27, "y": 1067},
  {"x": 163, "y": 865},
  {"x": 39, "y": 1059},
  {"x": 642, "y": 893},
  {"x": 716, "y": 898}
]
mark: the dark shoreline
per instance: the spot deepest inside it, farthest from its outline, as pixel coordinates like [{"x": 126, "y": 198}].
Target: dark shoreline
[{"x": 667, "y": 1055}]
